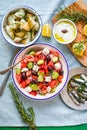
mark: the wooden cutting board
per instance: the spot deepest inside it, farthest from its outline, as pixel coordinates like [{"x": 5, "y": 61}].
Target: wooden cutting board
[{"x": 79, "y": 6}]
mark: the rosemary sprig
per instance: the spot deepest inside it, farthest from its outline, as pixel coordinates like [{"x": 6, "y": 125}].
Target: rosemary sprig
[
  {"x": 71, "y": 14},
  {"x": 27, "y": 116}
]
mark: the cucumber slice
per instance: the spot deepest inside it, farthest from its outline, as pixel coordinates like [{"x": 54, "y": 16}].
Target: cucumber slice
[
  {"x": 55, "y": 59},
  {"x": 55, "y": 75},
  {"x": 40, "y": 62},
  {"x": 32, "y": 53},
  {"x": 40, "y": 73},
  {"x": 30, "y": 65},
  {"x": 18, "y": 71},
  {"x": 52, "y": 90},
  {"x": 34, "y": 87},
  {"x": 40, "y": 78}
]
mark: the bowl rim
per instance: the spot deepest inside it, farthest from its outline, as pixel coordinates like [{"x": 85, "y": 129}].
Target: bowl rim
[
  {"x": 25, "y": 7},
  {"x": 65, "y": 19},
  {"x": 67, "y": 66}
]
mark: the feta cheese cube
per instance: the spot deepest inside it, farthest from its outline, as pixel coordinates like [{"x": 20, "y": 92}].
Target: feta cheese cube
[
  {"x": 47, "y": 78},
  {"x": 57, "y": 65},
  {"x": 51, "y": 56},
  {"x": 28, "y": 89},
  {"x": 36, "y": 68},
  {"x": 45, "y": 51},
  {"x": 48, "y": 89},
  {"x": 24, "y": 70}
]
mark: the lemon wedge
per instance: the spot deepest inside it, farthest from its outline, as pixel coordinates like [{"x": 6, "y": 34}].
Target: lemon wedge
[
  {"x": 85, "y": 30},
  {"x": 46, "y": 30}
]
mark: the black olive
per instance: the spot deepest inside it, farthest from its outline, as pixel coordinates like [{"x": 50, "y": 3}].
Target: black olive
[
  {"x": 34, "y": 81},
  {"x": 46, "y": 84},
  {"x": 34, "y": 72},
  {"x": 61, "y": 72},
  {"x": 50, "y": 68},
  {"x": 64, "y": 31},
  {"x": 23, "y": 76},
  {"x": 48, "y": 58}
]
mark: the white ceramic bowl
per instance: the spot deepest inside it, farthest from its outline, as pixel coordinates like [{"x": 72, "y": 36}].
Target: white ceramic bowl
[
  {"x": 64, "y": 31},
  {"x": 64, "y": 67},
  {"x": 4, "y": 23}
]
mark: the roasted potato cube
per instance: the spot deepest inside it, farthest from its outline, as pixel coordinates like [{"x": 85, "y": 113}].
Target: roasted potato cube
[
  {"x": 14, "y": 26},
  {"x": 20, "y": 34},
  {"x": 11, "y": 19},
  {"x": 10, "y": 32},
  {"x": 25, "y": 26},
  {"x": 27, "y": 35},
  {"x": 23, "y": 20},
  {"x": 20, "y": 13},
  {"x": 17, "y": 39},
  {"x": 25, "y": 41},
  {"x": 31, "y": 21}
]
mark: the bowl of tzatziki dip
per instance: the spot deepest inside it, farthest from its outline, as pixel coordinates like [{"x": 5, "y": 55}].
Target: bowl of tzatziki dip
[{"x": 64, "y": 31}]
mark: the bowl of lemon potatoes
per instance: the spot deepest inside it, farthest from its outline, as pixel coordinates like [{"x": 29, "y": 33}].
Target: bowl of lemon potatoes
[{"x": 21, "y": 26}]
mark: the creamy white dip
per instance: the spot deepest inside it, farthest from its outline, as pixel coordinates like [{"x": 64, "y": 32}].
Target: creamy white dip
[{"x": 64, "y": 31}]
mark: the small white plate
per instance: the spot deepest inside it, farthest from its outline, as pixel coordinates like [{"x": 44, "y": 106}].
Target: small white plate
[{"x": 64, "y": 95}]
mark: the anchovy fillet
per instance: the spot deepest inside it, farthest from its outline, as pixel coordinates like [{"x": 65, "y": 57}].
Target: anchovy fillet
[
  {"x": 74, "y": 84},
  {"x": 85, "y": 89},
  {"x": 74, "y": 100},
  {"x": 74, "y": 94},
  {"x": 80, "y": 99},
  {"x": 84, "y": 77},
  {"x": 83, "y": 95},
  {"x": 79, "y": 80}
]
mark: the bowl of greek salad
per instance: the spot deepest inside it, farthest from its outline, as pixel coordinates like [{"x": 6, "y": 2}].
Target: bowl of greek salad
[{"x": 42, "y": 72}]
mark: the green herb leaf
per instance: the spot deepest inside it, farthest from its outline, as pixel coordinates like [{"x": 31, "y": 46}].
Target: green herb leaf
[{"x": 28, "y": 116}]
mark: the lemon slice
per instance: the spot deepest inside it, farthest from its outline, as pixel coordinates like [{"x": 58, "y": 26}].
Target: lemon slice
[
  {"x": 46, "y": 30},
  {"x": 85, "y": 30}
]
